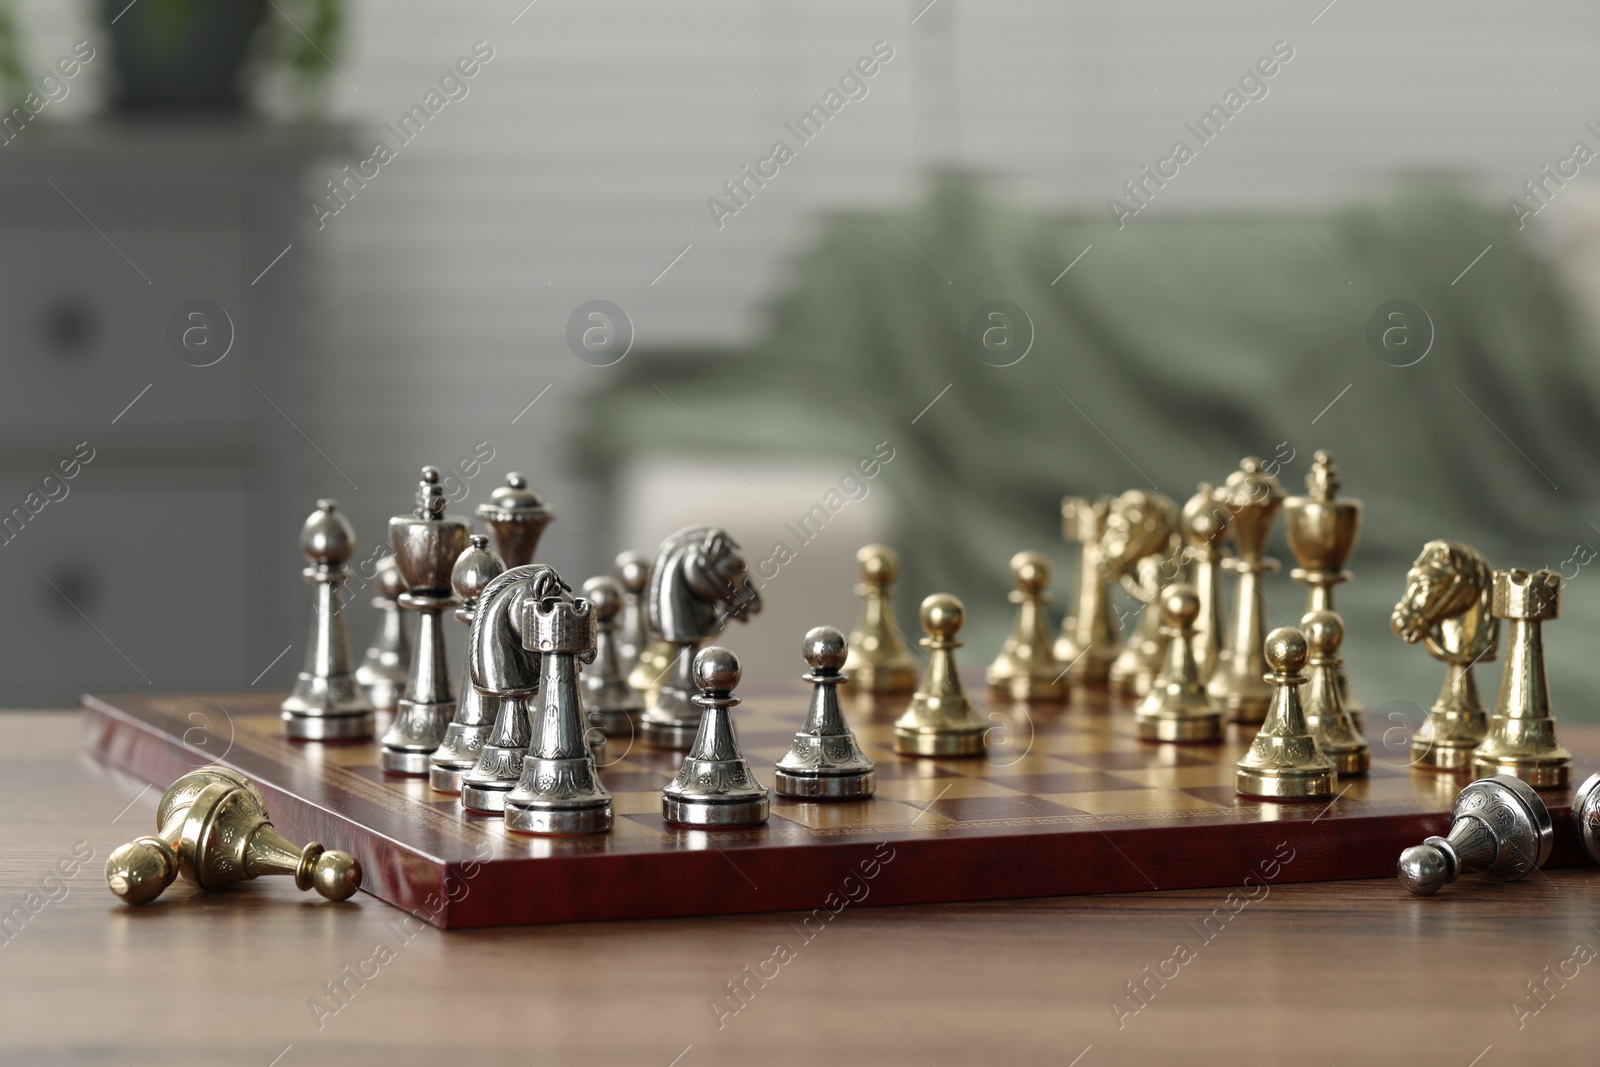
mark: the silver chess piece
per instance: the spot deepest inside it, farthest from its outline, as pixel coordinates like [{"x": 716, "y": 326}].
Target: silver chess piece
[
  {"x": 425, "y": 545},
  {"x": 614, "y": 708},
  {"x": 384, "y": 668},
  {"x": 517, "y": 516},
  {"x": 697, "y": 584},
  {"x": 463, "y": 739},
  {"x": 824, "y": 762},
  {"x": 1586, "y": 816},
  {"x": 715, "y": 787},
  {"x": 559, "y": 791},
  {"x": 633, "y": 575},
  {"x": 327, "y": 703},
  {"x": 508, "y": 675},
  {"x": 1501, "y": 829}
]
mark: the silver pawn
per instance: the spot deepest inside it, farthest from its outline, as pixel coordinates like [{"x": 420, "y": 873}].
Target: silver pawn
[
  {"x": 633, "y": 574},
  {"x": 426, "y": 544},
  {"x": 559, "y": 791},
  {"x": 384, "y": 668},
  {"x": 824, "y": 762},
  {"x": 614, "y": 708},
  {"x": 714, "y": 787},
  {"x": 1586, "y": 816},
  {"x": 1501, "y": 829},
  {"x": 327, "y": 704},
  {"x": 463, "y": 740}
]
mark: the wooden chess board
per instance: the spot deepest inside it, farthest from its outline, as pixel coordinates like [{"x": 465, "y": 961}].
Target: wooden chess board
[{"x": 1067, "y": 801}]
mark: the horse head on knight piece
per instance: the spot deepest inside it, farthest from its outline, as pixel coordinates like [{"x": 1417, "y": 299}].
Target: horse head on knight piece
[
  {"x": 1446, "y": 604},
  {"x": 498, "y": 662},
  {"x": 698, "y": 582},
  {"x": 1138, "y": 525}
]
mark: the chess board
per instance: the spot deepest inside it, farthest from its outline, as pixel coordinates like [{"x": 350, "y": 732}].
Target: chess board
[{"x": 1067, "y": 801}]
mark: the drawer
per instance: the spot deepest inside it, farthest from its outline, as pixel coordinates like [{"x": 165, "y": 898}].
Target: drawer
[{"x": 85, "y": 333}]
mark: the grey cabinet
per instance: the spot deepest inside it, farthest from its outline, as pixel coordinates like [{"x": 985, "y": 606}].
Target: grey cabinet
[{"x": 169, "y": 559}]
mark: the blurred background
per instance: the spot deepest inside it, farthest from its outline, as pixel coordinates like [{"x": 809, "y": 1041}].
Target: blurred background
[{"x": 225, "y": 300}]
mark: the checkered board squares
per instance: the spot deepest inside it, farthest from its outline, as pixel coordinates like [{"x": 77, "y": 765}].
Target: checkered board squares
[{"x": 1067, "y": 800}]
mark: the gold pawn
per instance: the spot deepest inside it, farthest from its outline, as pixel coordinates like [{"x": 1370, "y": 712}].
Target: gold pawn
[
  {"x": 1284, "y": 762},
  {"x": 213, "y": 829},
  {"x": 1204, "y": 525},
  {"x": 878, "y": 660},
  {"x": 941, "y": 721},
  {"x": 654, "y": 663},
  {"x": 1026, "y": 668},
  {"x": 1177, "y": 707},
  {"x": 1327, "y": 717},
  {"x": 1522, "y": 733}
]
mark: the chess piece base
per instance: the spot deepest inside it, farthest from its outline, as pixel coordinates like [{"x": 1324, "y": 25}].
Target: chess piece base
[
  {"x": 869, "y": 678},
  {"x": 1190, "y": 729},
  {"x": 825, "y": 786},
  {"x": 1350, "y": 764},
  {"x": 1542, "y": 772},
  {"x": 1270, "y": 785},
  {"x": 1448, "y": 738},
  {"x": 677, "y": 736},
  {"x": 1032, "y": 689},
  {"x": 712, "y": 813},
  {"x": 462, "y": 745},
  {"x": 1091, "y": 669},
  {"x": 1245, "y": 709},
  {"x": 443, "y": 779},
  {"x": 618, "y": 723},
  {"x": 358, "y": 727},
  {"x": 405, "y": 761},
  {"x": 486, "y": 799},
  {"x": 414, "y": 736},
  {"x": 914, "y": 742},
  {"x": 525, "y": 819},
  {"x": 1432, "y": 755}
]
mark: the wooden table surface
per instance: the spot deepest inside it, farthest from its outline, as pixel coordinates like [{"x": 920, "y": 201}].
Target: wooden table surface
[{"x": 1343, "y": 973}]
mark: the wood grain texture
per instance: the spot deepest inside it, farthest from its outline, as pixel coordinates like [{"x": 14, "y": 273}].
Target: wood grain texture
[{"x": 1346, "y": 973}]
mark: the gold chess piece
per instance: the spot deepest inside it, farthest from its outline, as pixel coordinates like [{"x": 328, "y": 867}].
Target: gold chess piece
[
  {"x": 941, "y": 721},
  {"x": 1326, "y": 716},
  {"x": 1252, "y": 498},
  {"x": 1140, "y": 660},
  {"x": 1204, "y": 526},
  {"x": 1522, "y": 734},
  {"x": 1284, "y": 762},
  {"x": 213, "y": 829},
  {"x": 1177, "y": 707},
  {"x": 1117, "y": 533},
  {"x": 654, "y": 662},
  {"x": 879, "y": 661},
  {"x": 1082, "y": 522},
  {"x": 1323, "y": 529},
  {"x": 1447, "y": 606},
  {"x": 1026, "y": 668}
]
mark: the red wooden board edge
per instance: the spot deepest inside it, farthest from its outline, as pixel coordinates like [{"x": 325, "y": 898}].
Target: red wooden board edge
[{"x": 821, "y": 878}]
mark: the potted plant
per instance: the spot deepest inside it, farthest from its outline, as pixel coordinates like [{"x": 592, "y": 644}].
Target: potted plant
[{"x": 189, "y": 55}]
